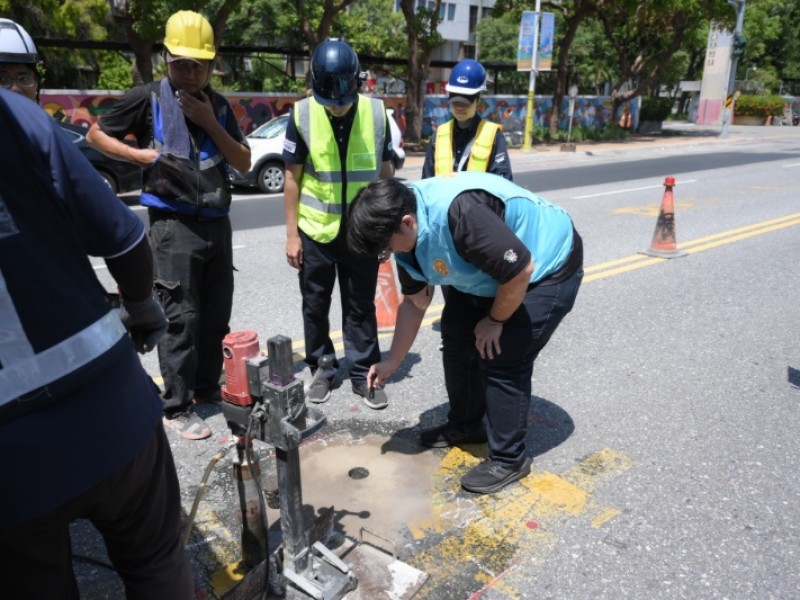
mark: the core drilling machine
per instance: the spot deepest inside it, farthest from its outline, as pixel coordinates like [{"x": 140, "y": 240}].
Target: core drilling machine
[{"x": 264, "y": 400}]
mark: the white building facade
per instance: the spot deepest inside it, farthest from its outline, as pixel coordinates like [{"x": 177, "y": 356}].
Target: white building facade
[{"x": 459, "y": 18}]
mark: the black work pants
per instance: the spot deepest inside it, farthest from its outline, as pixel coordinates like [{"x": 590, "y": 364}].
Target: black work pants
[
  {"x": 358, "y": 278},
  {"x": 138, "y": 512},
  {"x": 193, "y": 263},
  {"x": 499, "y": 390}
]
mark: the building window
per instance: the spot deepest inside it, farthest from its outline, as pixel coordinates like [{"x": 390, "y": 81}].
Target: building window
[
  {"x": 447, "y": 10},
  {"x": 473, "y": 18}
]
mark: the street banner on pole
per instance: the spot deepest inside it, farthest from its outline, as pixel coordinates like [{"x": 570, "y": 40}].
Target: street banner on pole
[
  {"x": 546, "y": 36},
  {"x": 527, "y": 29}
]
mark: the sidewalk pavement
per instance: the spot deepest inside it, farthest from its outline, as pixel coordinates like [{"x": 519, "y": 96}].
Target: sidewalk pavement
[{"x": 674, "y": 134}]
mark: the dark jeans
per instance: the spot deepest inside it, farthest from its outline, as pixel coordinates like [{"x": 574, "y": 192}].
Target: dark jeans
[
  {"x": 193, "y": 262},
  {"x": 499, "y": 389},
  {"x": 358, "y": 278},
  {"x": 138, "y": 512}
]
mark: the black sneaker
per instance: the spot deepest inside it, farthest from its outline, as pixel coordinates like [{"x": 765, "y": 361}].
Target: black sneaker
[
  {"x": 375, "y": 398},
  {"x": 489, "y": 476},
  {"x": 444, "y": 436}
]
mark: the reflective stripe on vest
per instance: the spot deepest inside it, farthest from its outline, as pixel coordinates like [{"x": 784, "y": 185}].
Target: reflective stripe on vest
[
  {"x": 480, "y": 150},
  {"x": 24, "y": 371},
  {"x": 324, "y": 186}
]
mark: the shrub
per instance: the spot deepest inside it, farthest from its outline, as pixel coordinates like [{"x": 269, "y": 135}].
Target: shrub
[
  {"x": 758, "y": 106},
  {"x": 655, "y": 109}
]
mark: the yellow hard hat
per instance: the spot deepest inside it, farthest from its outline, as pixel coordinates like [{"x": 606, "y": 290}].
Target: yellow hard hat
[{"x": 189, "y": 34}]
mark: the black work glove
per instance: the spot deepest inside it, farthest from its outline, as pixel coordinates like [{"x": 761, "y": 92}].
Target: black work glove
[{"x": 145, "y": 321}]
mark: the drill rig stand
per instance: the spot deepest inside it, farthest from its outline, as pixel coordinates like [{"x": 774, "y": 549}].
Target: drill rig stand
[{"x": 271, "y": 407}]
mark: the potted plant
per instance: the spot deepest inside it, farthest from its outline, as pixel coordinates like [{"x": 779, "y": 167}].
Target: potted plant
[
  {"x": 754, "y": 110},
  {"x": 652, "y": 113}
]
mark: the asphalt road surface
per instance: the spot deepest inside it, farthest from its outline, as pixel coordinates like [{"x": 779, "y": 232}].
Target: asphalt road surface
[{"x": 663, "y": 426}]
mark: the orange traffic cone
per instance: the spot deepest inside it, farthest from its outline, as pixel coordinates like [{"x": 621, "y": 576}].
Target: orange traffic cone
[
  {"x": 663, "y": 244},
  {"x": 387, "y": 298}
]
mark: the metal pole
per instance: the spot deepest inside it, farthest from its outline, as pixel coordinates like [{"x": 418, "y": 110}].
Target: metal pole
[
  {"x": 526, "y": 145},
  {"x": 727, "y": 115}
]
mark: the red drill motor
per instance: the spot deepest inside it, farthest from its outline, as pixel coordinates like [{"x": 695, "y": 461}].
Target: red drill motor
[{"x": 237, "y": 348}]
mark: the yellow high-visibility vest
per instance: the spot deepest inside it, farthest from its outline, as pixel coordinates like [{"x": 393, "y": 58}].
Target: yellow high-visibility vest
[
  {"x": 328, "y": 182},
  {"x": 479, "y": 154}
]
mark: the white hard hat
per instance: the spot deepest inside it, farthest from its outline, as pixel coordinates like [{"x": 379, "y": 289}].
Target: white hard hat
[{"x": 16, "y": 46}]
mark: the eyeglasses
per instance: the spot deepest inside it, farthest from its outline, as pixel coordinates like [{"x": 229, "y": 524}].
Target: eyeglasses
[
  {"x": 189, "y": 67},
  {"x": 23, "y": 80}
]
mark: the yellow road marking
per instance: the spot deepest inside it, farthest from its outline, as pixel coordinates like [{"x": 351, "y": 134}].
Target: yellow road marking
[
  {"x": 485, "y": 539},
  {"x": 648, "y": 210},
  {"x": 638, "y": 261}
]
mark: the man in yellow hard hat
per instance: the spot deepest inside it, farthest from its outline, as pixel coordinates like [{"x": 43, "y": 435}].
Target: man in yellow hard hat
[{"x": 186, "y": 135}]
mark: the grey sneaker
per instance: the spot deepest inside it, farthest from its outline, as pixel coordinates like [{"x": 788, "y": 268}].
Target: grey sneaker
[
  {"x": 489, "y": 476},
  {"x": 375, "y": 398},
  {"x": 319, "y": 392}
]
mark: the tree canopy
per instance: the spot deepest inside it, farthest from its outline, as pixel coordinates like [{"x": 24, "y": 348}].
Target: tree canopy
[{"x": 622, "y": 47}]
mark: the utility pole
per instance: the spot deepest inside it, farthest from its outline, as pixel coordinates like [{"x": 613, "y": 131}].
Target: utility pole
[
  {"x": 526, "y": 145},
  {"x": 736, "y": 52}
]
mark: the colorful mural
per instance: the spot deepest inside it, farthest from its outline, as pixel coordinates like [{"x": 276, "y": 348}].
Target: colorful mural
[
  {"x": 511, "y": 112},
  {"x": 85, "y": 107}
]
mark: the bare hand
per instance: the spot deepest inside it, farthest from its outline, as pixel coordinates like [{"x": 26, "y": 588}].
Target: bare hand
[
  {"x": 294, "y": 252},
  {"x": 487, "y": 338},
  {"x": 144, "y": 157},
  {"x": 198, "y": 111},
  {"x": 379, "y": 373}
]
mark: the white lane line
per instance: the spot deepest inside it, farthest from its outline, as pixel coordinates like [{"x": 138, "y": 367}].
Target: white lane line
[{"x": 648, "y": 187}]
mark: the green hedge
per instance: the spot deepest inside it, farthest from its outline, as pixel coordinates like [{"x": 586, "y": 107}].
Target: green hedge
[
  {"x": 758, "y": 106},
  {"x": 655, "y": 109}
]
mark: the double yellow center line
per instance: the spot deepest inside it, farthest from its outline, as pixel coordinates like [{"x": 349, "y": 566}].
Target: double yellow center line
[
  {"x": 620, "y": 265},
  {"x": 638, "y": 261}
]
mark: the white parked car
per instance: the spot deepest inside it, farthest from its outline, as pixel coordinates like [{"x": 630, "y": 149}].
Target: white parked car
[
  {"x": 266, "y": 150},
  {"x": 266, "y": 147}
]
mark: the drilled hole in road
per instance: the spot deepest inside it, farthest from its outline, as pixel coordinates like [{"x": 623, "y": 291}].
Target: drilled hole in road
[{"x": 358, "y": 473}]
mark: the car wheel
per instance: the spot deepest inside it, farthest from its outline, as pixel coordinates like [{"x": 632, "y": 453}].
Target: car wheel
[
  {"x": 270, "y": 178},
  {"x": 109, "y": 180}
]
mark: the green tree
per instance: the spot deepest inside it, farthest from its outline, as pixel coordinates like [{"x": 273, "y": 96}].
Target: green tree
[
  {"x": 573, "y": 15},
  {"x": 770, "y": 27},
  {"x": 645, "y": 35},
  {"x": 423, "y": 38},
  {"x": 590, "y": 52},
  {"x": 115, "y": 71},
  {"x": 54, "y": 19},
  {"x": 497, "y": 41},
  {"x": 316, "y": 18}
]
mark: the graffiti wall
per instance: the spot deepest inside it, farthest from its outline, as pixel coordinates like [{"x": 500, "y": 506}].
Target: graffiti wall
[
  {"x": 85, "y": 107},
  {"x": 511, "y": 112}
]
